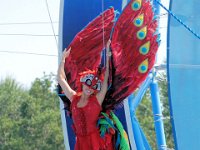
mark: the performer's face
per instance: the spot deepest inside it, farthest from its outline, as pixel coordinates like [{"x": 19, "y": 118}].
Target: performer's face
[{"x": 87, "y": 90}]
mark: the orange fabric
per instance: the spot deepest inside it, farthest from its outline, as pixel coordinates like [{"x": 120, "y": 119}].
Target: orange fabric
[{"x": 85, "y": 126}]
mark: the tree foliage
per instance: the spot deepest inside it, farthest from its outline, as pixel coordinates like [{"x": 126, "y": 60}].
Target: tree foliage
[{"x": 30, "y": 118}]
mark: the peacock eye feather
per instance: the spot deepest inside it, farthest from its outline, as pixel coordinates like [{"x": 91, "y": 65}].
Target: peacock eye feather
[
  {"x": 141, "y": 34},
  {"x": 144, "y": 49},
  {"x": 139, "y": 20},
  {"x": 136, "y": 5},
  {"x": 143, "y": 67}
]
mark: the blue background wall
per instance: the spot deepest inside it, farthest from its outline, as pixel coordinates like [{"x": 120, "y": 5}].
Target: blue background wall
[{"x": 184, "y": 74}]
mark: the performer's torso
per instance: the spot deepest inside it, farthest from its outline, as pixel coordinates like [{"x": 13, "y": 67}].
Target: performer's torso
[{"x": 85, "y": 118}]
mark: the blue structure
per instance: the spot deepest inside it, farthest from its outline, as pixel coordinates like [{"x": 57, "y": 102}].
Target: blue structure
[
  {"x": 140, "y": 139},
  {"x": 160, "y": 136},
  {"x": 183, "y": 73},
  {"x": 134, "y": 101}
]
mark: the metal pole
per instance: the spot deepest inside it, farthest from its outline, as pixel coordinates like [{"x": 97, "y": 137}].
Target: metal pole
[
  {"x": 133, "y": 101},
  {"x": 137, "y": 134},
  {"x": 156, "y": 106}
]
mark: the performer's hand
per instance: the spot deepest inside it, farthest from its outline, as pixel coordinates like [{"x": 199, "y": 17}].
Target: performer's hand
[
  {"x": 108, "y": 52},
  {"x": 65, "y": 54}
]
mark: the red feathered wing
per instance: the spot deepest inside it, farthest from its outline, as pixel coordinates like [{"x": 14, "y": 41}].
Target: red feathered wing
[
  {"x": 88, "y": 45},
  {"x": 134, "y": 46}
]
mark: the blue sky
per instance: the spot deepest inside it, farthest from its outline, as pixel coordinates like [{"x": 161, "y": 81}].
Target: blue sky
[{"x": 30, "y": 17}]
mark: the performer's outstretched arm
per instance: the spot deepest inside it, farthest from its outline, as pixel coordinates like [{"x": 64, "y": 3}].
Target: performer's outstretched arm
[
  {"x": 61, "y": 77},
  {"x": 101, "y": 95}
]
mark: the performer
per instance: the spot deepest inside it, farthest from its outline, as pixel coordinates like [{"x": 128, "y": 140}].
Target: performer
[
  {"x": 135, "y": 41},
  {"x": 86, "y": 105}
]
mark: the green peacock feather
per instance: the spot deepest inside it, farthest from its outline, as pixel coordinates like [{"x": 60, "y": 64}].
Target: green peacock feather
[
  {"x": 124, "y": 143},
  {"x": 113, "y": 122}
]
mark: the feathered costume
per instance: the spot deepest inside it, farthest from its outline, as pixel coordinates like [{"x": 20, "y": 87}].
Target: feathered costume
[{"x": 134, "y": 43}]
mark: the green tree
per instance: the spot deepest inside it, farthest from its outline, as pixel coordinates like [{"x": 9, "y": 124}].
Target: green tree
[
  {"x": 11, "y": 95},
  {"x": 30, "y": 119},
  {"x": 145, "y": 117}
]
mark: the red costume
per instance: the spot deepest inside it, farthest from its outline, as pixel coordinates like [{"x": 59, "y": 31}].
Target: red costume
[{"x": 85, "y": 126}]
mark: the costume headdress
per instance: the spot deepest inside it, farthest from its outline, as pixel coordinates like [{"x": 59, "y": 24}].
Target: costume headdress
[{"x": 92, "y": 79}]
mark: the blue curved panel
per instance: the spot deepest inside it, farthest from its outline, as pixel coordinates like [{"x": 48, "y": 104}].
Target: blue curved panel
[
  {"x": 75, "y": 15},
  {"x": 183, "y": 74}
]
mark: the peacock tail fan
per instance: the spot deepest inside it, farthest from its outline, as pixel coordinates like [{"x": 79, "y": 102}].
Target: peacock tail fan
[{"x": 135, "y": 41}]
